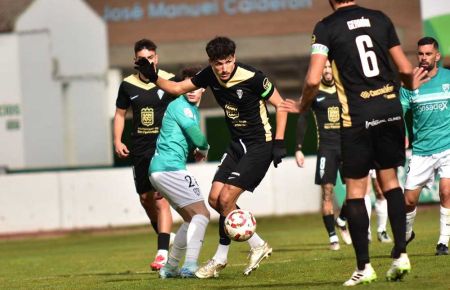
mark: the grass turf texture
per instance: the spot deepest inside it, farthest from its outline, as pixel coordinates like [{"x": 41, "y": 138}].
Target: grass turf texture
[{"x": 301, "y": 259}]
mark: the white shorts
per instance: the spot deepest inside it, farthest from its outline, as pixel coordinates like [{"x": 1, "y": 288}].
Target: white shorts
[
  {"x": 179, "y": 187},
  {"x": 422, "y": 169}
]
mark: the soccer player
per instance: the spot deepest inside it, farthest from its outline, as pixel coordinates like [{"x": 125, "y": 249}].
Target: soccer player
[
  {"x": 358, "y": 42},
  {"x": 431, "y": 144},
  {"x": 181, "y": 131},
  {"x": 242, "y": 92},
  {"x": 148, "y": 104}
]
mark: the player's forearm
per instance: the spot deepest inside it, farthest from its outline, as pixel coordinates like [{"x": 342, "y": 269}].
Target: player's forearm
[
  {"x": 197, "y": 138},
  {"x": 302, "y": 124},
  {"x": 170, "y": 87},
  {"x": 281, "y": 118},
  {"x": 119, "y": 125},
  {"x": 309, "y": 91}
]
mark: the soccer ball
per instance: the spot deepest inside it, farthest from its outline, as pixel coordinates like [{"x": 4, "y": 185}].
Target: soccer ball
[{"x": 240, "y": 225}]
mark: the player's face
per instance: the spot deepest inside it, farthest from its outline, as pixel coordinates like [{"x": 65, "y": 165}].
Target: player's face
[
  {"x": 428, "y": 56},
  {"x": 195, "y": 96},
  {"x": 224, "y": 67},
  {"x": 327, "y": 75},
  {"x": 148, "y": 54}
]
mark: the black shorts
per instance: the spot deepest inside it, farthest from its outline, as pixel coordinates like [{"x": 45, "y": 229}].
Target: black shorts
[
  {"x": 379, "y": 144},
  {"x": 245, "y": 164},
  {"x": 140, "y": 171},
  {"x": 328, "y": 163}
]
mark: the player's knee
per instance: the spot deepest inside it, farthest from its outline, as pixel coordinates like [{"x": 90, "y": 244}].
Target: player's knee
[
  {"x": 410, "y": 201},
  {"x": 212, "y": 201},
  {"x": 444, "y": 195}
]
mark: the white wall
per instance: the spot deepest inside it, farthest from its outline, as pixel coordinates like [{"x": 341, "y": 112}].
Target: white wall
[
  {"x": 100, "y": 198},
  {"x": 12, "y": 148}
]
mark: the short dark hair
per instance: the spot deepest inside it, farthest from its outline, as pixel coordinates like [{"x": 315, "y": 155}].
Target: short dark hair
[
  {"x": 344, "y": 1},
  {"x": 144, "y": 44},
  {"x": 189, "y": 71},
  {"x": 220, "y": 47},
  {"x": 428, "y": 40}
]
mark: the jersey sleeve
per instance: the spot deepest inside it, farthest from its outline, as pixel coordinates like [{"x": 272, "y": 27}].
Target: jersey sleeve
[
  {"x": 123, "y": 99},
  {"x": 320, "y": 41},
  {"x": 391, "y": 33},
  {"x": 262, "y": 86},
  {"x": 203, "y": 78},
  {"x": 405, "y": 99}
]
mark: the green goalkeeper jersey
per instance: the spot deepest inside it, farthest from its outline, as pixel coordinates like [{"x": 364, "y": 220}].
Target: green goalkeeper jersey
[
  {"x": 431, "y": 115},
  {"x": 180, "y": 132}
]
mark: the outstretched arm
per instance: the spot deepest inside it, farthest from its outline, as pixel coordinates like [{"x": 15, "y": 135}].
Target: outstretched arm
[{"x": 312, "y": 80}]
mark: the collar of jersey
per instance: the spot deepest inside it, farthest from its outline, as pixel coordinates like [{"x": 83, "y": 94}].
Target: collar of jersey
[
  {"x": 347, "y": 7},
  {"x": 135, "y": 80}
]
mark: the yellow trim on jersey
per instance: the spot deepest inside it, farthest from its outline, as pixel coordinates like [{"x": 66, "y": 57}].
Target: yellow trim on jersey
[
  {"x": 136, "y": 81},
  {"x": 346, "y": 120},
  {"x": 327, "y": 89},
  {"x": 317, "y": 128},
  {"x": 240, "y": 75},
  {"x": 265, "y": 120}
]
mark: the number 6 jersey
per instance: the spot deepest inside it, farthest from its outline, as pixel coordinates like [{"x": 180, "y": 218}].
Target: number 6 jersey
[{"x": 357, "y": 42}]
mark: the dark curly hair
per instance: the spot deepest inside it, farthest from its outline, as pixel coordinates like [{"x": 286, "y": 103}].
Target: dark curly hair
[{"x": 220, "y": 47}]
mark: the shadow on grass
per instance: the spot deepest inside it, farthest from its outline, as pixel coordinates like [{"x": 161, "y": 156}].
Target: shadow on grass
[
  {"x": 103, "y": 274},
  {"x": 279, "y": 285}
]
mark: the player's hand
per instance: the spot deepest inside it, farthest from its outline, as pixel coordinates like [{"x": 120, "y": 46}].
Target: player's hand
[
  {"x": 121, "y": 150},
  {"x": 200, "y": 155},
  {"x": 299, "y": 158},
  {"x": 278, "y": 152},
  {"x": 147, "y": 69},
  {"x": 289, "y": 106},
  {"x": 420, "y": 76}
]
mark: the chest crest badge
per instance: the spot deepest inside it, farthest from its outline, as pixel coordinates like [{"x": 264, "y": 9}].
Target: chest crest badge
[
  {"x": 147, "y": 116},
  {"x": 446, "y": 88},
  {"x": 333, "y": 114},
  {"x": 239, "y": 93}
]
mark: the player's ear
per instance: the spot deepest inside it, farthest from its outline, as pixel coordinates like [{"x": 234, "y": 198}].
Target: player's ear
[{"x": 438, "y": 56}]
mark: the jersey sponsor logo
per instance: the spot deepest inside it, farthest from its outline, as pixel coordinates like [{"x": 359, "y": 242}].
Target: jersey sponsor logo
[
  {"x": 134, "y": 97},
  {"x": 381, "y": 91},
  {"x": 160, "y": 93},
  {"x": 374, "y": 122},
  {"x": 333, "y": 114},
  {"x": 147, "y": 116},
  {"x": 318, "y": 48},
  {"x": 446, "y": 88},
  {"x": 239, "y": 93},
  {"x": 358, "y": 23},
  {"x": 439, "y": 106},
  {"x": 231, "y": 111},
  {"x": 188, "y": 113},
  {"x": 320, "y": 99}
]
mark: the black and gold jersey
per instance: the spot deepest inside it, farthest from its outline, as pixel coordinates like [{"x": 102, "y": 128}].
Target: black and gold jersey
[
  {"x": 148, "y": 103},
  {"x": 357, "y": 42},
  {"x": 326, "y": 110},
  {"x": 243, "y": 99}
]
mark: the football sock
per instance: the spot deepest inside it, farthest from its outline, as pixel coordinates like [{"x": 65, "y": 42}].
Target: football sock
[
  {"x": 342, "y": 213},
  {"x": 255, "y": 241},
  {"x": 445, "y": 226},
  {"x": 368, "y": 204},
  {"x": 358, "y": 223},
  {"x": 195, "y": 236},
  {"x": 179, "y": 246},
  {"x": 155, "y": 226},
  {"x": 397, "y": 218},
  {"x": 328, "y": 220},
  {"x": 410, "y": 217},
  {"x": 382, "y": 216},
  {"x": 223, "y": 238},
  {"x": 163, "y": 241},
  {"x": 221, "y": 255}
]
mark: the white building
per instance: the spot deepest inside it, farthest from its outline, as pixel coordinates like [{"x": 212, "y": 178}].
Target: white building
[{"x": 53, "y": 92}]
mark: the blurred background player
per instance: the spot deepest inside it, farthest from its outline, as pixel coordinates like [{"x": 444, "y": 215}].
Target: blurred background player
[
  {"x": 431, "y": 144},
  {"x": 242, "y": 92},
  {"x": 148, "y": 104},
  {"x": 381, "y": 211},
  {"x": 179, "y": 134},
  {"x": 358, "y": 42}
]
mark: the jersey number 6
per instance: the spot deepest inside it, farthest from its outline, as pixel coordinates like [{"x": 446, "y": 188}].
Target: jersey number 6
[{"x": 368, "y": 57}]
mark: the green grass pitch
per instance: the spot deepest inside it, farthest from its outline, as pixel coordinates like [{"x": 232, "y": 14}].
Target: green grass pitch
[{"x": 119, "y": 259}]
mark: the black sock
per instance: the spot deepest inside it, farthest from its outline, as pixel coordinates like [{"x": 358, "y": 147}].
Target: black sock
[
  {"x": 155, "y": 226},
  {"x": 223, "y": 238},
  {"x": 328, "y": 220},
  {"x": 163, "y": 241},
  {"x": 358, "y": 224},
  {"x": 397, "y": 218},
  {"x": 342, "y": 215}
]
